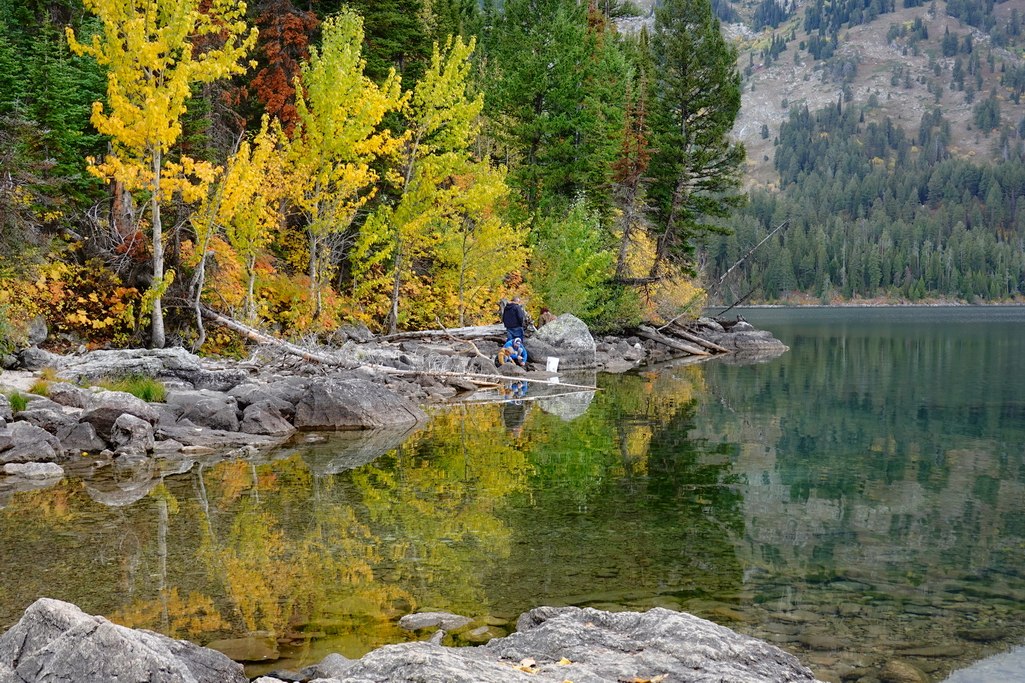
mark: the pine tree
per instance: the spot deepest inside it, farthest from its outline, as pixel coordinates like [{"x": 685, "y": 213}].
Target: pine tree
[{"x": 695, "y": 100}]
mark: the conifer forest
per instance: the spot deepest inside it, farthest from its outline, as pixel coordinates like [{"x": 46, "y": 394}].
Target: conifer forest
[{"x": 303, "y": 165}]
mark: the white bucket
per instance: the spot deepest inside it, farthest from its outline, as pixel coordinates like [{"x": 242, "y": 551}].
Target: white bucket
[{"x": 552, "y": 365}]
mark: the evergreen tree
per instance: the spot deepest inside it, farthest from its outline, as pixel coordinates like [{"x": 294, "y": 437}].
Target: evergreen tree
[{"x": 695, "y": 100}]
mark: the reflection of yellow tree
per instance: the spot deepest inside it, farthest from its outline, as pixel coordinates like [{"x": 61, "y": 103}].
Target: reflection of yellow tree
[
  {"x": 193, "y": 616},
  {"x": 443, "y": 508},
  {"x": 290, "y": 556}
]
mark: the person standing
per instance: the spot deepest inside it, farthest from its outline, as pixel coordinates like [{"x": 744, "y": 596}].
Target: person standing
[{"x": 514, "y": 318}]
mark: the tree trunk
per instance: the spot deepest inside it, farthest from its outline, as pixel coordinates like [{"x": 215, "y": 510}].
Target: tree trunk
[
  {"x": 393, "y": 313},
  {"x": 157, "y": 338}
]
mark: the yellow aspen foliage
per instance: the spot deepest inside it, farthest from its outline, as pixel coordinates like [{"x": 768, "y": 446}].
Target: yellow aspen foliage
[
  {"x": 149, "y": 49},
  {"x": 243, "y": 206},
  {"x": 424, "y": 245},
  {"x": 338, "y": 138},
  {"x": 670, "y": 296}
]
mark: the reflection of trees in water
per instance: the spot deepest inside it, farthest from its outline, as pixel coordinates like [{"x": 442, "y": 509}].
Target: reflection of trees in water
[
  {"x": 883, "y": 473},
  {"x": 621, "y": 498}
]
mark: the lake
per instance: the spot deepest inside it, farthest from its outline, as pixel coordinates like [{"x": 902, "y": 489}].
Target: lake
[{"x": 858, "y": 500}]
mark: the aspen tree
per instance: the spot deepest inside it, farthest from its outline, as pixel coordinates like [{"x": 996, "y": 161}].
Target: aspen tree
[
  {"x": 147, "y": 47},
  {"x": 337, "y": 139}
]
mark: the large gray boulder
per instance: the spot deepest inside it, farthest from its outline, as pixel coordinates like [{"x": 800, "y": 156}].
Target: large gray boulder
[
  {"x": 172, "y": 364},
  {"x": 205, "y": 408},
  {"x": 354, "y": 404},
  {"x": 80, "y": 437},
  {"x": 568, "y": 339},
  {"x": 28, "y": 443},
  {"x": 108, "y": 406},
  {"x": 55, "y": 642},
  {"x": 600, "y": 646},
  {"x": 749, "y": 341},
  {"x": 264, "y": 417},
  {"x": 132, "y": 436}
]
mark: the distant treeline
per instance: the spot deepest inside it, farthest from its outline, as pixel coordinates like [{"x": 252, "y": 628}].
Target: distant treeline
[{"x": 878, "y": 212}]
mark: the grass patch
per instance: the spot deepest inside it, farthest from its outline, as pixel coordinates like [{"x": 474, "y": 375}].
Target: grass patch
[
  {"x": 40, "y": 387},
  {"x": 18, "y": 402},
  {"x": 140, "y": 386}
]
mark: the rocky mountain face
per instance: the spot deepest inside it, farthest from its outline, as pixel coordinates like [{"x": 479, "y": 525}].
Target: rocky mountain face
[{"x": 961, "y": 57}]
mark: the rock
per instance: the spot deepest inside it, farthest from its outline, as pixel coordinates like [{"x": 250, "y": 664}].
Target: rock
[
  {"x": 264, "y": 417},
  {"x": 601, "y": 646},
  {"x": 5, "y": 409},
  {"x": 196, "y": 440},
  {"x": 110, "y": 405},
  {"x": 760, "y": 341},
  {"x": 422, "y": 620},
  {"x": 131, "y": 435},
  {"x": 710, "y": 324},
  {"x": 37, "y": 331},
  {"x": 353, "y": 404},
  {"x": 34, "y": 470},
  {"x": 69, "y": 395},
  {"x": 53, "y": 421},
  {"x": 246, "y": 395},
  {"x": 28, "y": 443},
  {"x": 55, "y": 641},
  {"x": 332, "y": 666},
  {"x": 171, "y": 364},
  {"x": 81, "y": 438},
  {"x": 34, "y": 359},
  {"x": 511, "y": 370},
  {"x": 897, "y": 671},
  {"x": 259, "y": 646},
  {"x": 566, "y": 338},
  {"x": 205, "y": 408}
]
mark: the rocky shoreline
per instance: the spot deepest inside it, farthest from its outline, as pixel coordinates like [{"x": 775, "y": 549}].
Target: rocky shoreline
[
  {"x": 56, "y": 641},
  {"x": 363, "y": 383},
  {"x": 378, "y": 389}
]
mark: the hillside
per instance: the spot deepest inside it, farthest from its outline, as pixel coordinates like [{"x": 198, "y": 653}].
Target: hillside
[{"x": 901, "y": 72}]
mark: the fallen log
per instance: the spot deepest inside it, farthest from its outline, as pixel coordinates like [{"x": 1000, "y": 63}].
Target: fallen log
[
  {"x": 653, "y": 335},
  {"x": 690, "y": 336},
  {"x": 257, "y": 336},
  {"x": 461, "y": 333}
]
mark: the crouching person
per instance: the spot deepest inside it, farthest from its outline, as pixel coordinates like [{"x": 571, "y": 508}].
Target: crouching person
[{"x": 513, "y": 352}]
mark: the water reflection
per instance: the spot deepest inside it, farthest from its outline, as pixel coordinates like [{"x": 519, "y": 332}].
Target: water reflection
[{"x": 857, "y": 500}]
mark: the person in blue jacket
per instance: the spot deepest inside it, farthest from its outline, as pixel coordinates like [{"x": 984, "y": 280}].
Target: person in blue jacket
[
  {"x": 513, "y": 351},
  {"x": 514, "y": 318}
]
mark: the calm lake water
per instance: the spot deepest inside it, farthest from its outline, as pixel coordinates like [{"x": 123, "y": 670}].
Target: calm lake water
[{"x": 858, "y": 500}]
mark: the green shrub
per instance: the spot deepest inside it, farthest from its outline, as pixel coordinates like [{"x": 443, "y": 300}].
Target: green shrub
[{"x": 140, "y": 386}]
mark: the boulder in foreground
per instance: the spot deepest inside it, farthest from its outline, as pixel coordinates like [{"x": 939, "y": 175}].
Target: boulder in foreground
[
  {"x": 555, "y": 644},
  {"x": 55, "y": 642}
]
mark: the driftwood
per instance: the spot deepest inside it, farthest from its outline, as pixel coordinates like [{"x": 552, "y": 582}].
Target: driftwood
[
  {"x": 306, "y": 354},
  {"x": 653, "y": 335},
  {"x": 257, "y": 336},
  {"x": 691, "y": 337},
  {"x": 461, "y": 333}
]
